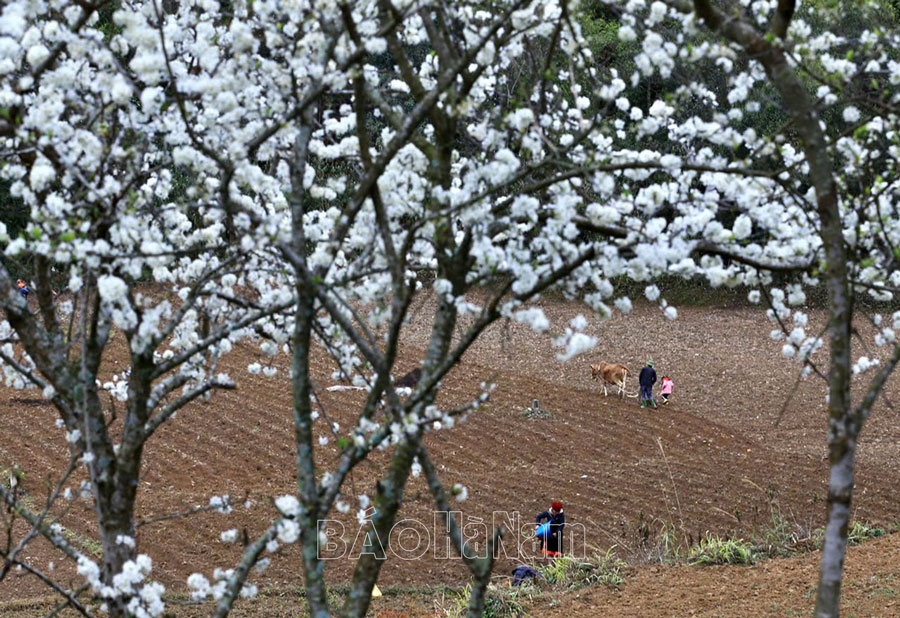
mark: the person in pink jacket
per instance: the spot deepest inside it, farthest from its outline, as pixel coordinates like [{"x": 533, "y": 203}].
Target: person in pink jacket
[{"x": 666, "y": 389}]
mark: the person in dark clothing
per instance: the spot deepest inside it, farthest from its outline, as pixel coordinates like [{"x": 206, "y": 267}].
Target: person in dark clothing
[
  {"x": 551, "y": 545},
  {"x": 523, "y": 573},
  {"x": 647, "y": 378}
]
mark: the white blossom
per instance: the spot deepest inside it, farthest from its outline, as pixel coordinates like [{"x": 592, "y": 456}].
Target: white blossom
[
  {"x": 851, "y": 114},
  {"x": 288, "y": 505},
  {"x": 623, "y": 304},
  {"x": 199, "y": 586},
  {"x": 864, "y": 363},
  {"x": 288, "y": 531}
]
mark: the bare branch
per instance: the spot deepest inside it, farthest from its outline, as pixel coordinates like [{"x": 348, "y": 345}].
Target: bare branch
[
  {"x": 66, "y": 602},
  {"x": 39, "y": 382},
  {"x": 179, "y": 515},
  {"x": 220, "y": 334},
  {"x": 182, "y": 401},
  {"x": 191, "y": 300},
  {"x": 35, "y": 521},
  {"x": 73, "y": 462},
  {"x": 237, "y": 579},
  {"x": 68, "y": 596},
  {"x": 781, "y": 20},
  {"x": 876, "y": 386},
  {"x": 446, "y": 510}
]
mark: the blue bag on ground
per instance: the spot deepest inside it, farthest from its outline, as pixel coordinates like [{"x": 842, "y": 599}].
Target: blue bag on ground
[{"x": 543, "y": 530}]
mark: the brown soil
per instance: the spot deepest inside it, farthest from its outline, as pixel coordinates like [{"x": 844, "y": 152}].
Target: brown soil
[
  {"x": 776, "y": 588},
  {"x": 742, "y": 440}
]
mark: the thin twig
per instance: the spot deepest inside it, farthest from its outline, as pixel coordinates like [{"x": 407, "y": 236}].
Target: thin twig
[
  {"x": 671, "y": 477},
  {"x": 70, "y": 599}
]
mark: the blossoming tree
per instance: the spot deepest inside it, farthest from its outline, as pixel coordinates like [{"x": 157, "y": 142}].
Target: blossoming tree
[
  {"x": 288, "y": 170},
  {"x": 834, "y": 162}
]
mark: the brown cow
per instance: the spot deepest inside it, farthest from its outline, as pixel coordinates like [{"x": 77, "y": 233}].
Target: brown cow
[{"x": 612, "y": 373}]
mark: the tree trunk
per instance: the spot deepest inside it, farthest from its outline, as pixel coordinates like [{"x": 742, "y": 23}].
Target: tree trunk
[
  {"x": 306, "y": 472},
  {"x": 840, "y": 489},
  {"x": 307, "y": 486},
  {"x": 389, "y": 491},
  {"x": 115, "y": 490}
]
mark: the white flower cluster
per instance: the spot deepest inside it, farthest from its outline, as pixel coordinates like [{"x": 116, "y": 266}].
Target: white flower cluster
[
  {"x": 201, "y": 588},
  {"x": 288, "y": 505},
  {"x": 864, "y": 363},
  {"x": 287, "y": 529},
  {"x": 574, "y": 341},
  {"x": 222, "y": 504},
  {"x": 117, "y": 387},
  {"x": 144, "y": 601}
]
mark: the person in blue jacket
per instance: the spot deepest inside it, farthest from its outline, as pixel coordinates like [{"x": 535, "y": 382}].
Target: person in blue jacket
[
  {"x": 647, "y": 378},
  {"x": 551, "y": 545}
]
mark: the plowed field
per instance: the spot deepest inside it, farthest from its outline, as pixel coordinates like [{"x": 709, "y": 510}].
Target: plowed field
[{"x": 742, "y": 440}]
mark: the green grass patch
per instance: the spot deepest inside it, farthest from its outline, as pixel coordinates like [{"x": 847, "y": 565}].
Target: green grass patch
[
  {"x": 572, "y": 573},
  {"x": 86, "y": 543},
  {"x": 783, "y": 536},
  {"x": 860, "y": 532},
  {"x": 500, "y": 601},
  {"x": 713, "y": 549},
  {"x": 558, "y": 575}
]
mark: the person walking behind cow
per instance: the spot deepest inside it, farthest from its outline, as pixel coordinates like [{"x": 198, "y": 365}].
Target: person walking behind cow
[
  {"x": 550, "y": 542},
  {"x": 666, "y": 389},
  {"x": 647, "y": 378}
]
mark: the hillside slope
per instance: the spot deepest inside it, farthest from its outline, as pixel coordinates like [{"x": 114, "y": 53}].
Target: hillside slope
[{"x": 723, "y": 456}]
